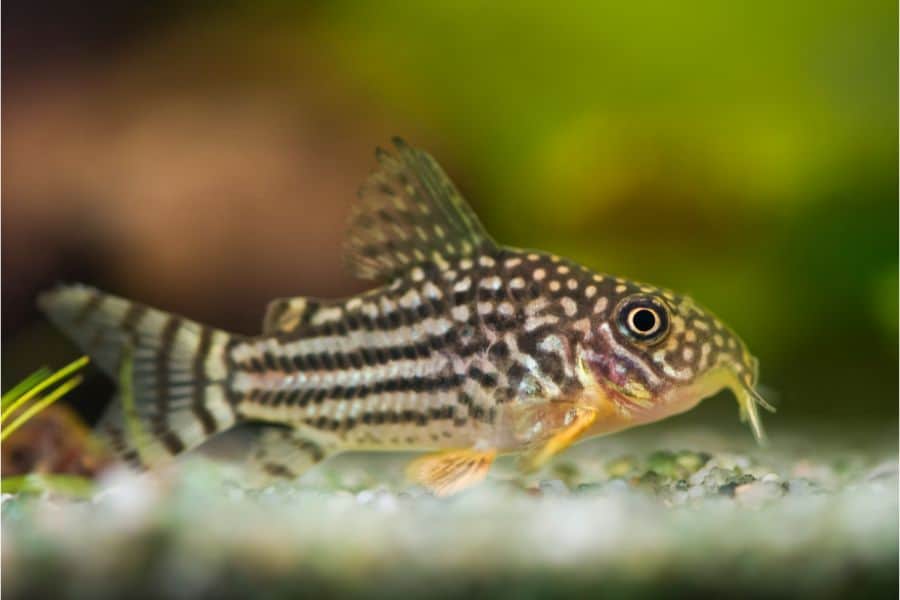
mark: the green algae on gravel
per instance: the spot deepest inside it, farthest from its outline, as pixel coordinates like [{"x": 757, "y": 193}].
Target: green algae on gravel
[{"x": 629, "y": 519}]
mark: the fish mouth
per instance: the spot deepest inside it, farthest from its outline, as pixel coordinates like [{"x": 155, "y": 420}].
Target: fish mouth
[
  {"x": 629, "y": 401},
  {"x": 632, "y": 403},
  {"x": 622, "y": 405},
  {"x": 748, "y": 398}
]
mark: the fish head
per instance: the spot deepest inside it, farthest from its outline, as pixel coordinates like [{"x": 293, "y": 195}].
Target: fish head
[{"x": 655, "y": 353}]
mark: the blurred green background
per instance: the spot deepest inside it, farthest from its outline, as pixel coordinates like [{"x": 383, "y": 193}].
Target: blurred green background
[{"x": 203, "y": 158}]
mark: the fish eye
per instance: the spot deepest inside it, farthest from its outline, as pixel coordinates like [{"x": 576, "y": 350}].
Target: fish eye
[{"x": 643, "y": 318}]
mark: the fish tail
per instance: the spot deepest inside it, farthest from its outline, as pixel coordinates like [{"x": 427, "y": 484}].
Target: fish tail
[{"x": 173, "y": 373}]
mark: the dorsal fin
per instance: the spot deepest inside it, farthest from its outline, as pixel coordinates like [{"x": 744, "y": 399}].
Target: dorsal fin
[
  {"x": 285, "y": 314},
  {"x": 409, "y": 213}
]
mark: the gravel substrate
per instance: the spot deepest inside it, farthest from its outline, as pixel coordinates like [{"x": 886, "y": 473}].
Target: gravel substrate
[{"x": 628, "y": 515}]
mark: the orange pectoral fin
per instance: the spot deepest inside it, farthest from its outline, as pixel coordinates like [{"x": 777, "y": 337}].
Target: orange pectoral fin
[
  {"x": 578, "y": 420},
  {"x": 449, "y": 472}
]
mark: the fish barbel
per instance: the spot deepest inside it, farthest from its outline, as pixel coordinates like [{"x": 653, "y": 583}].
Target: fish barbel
[{"x": 468, "y": 349}]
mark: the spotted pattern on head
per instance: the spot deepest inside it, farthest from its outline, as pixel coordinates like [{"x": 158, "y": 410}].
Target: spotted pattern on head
[{"x": 696, "y": 341}]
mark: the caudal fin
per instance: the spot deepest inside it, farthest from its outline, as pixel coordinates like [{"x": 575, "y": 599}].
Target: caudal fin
[{"x": 173, "y": 372}]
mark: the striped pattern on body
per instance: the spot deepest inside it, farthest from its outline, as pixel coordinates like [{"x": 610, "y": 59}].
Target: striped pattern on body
[{"x": 432, "y": 359}]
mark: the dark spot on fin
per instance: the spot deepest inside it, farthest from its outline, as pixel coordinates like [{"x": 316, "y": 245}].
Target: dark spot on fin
[{"x": 410, "y": 213}]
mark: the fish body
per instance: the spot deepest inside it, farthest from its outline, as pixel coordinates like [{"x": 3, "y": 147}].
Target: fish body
[{"x": 467, "y": 348}]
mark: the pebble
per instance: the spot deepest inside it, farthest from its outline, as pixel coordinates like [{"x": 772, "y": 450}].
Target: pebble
[
  {"x": 553, "y": 487},
  {"x": 386, "y": 502},
  {"x": 757, "y": 493},
  {"x": 729, "y": 488},
  {"x": 803, "y": 487},
  {"x": 365, "y": 496},
  {"x": 886, "y": 470},
  {"x": 621, "y": 467}
]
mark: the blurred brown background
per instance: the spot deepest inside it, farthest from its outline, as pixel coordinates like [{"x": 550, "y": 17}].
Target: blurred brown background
[{"x": 202, "y": 158}]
